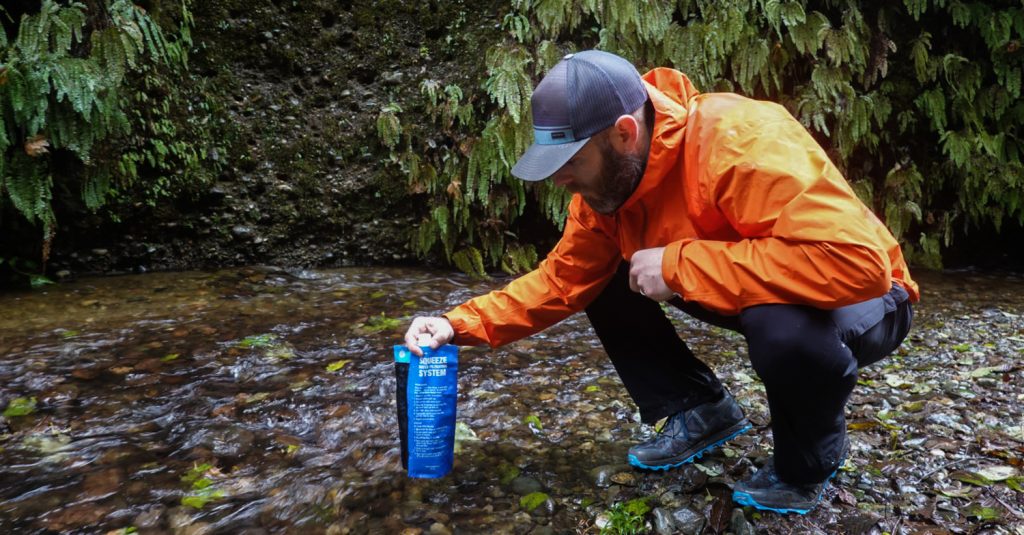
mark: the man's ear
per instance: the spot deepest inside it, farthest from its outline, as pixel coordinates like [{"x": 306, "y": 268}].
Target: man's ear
[{"x": 625, "y": 135}]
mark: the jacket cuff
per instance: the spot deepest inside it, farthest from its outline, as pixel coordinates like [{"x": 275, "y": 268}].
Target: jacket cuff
[
  {"x": 671, "y": 266},
  {"x": 466, "y": 325}
]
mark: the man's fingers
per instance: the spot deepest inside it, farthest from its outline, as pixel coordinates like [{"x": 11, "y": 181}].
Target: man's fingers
[
  {"x": 415, "y": 329},
  {"x": 439, "y": 329}
]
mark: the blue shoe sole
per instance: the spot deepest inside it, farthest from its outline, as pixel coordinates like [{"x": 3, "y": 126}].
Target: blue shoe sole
[
  {"x": 744, "y": 498},
  {"x": 633, "y": 460}
]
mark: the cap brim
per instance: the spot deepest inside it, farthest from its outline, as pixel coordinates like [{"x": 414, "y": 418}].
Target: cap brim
[{"x": 541, "y": 161}]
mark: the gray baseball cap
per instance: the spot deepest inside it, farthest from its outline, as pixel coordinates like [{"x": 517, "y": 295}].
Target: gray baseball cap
[{"x": 580, "y": 96}]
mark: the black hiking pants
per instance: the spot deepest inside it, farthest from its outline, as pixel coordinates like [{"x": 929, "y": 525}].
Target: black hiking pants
[{"x": 807, "y": 359}]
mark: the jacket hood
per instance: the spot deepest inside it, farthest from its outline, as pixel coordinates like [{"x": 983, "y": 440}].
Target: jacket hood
[{"x": 670, "y": 92}]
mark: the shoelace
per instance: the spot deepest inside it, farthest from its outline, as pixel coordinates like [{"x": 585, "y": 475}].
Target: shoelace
[
  {"x": 766, "y": 475},
  {"x": 686, "y": 429}
]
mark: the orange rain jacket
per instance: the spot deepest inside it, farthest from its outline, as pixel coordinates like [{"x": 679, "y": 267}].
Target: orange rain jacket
[{"x": 748, "y": 206}]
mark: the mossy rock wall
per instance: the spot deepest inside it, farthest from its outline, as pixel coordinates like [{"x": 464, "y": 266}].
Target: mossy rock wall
[{"x": 297, "y": 88}]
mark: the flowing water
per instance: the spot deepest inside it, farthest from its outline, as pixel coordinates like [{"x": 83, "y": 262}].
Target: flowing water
[{"x": 262, "y": 400}]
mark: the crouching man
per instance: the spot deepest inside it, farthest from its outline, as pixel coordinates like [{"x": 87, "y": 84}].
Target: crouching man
[{"x": 726, "y": 208}]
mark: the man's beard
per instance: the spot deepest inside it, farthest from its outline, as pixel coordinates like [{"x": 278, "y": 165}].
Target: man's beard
[{"x": 620, "y": 175}]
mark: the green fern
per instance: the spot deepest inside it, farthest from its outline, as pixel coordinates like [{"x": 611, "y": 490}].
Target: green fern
[
  {"x": 875, "y": 86},
  {"x": 70, "y": 97},
  {"x": 809, "y": 35},
  {"x": 519, "y": 259},
  {"x": 916, "y": 8},
  {"x": 508, "y": 84},
  {"x": 470, "y": 261},
  {"x": 389, "y": 127}
]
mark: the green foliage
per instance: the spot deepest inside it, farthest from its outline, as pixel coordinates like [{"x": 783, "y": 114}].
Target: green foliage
[
  {"x": 532, "y": 501},
  {"x": 337, "y": 365},
  {"x": 258, "y": 341},
  {"x": 918, "y": 103},
  {"x": 88, "y": 101},
  {"x": 380, "y": 323},
  {"x": 470, "y": 261},
  {"x": 627, "y": 518},
  {"x": 20, "y": 407},
  {"x": 389, "y": 128},
  {"x": 202, "y": 489}
]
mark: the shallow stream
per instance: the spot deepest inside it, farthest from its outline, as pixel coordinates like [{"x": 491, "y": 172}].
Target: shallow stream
[{"x": 262, "y": 400}]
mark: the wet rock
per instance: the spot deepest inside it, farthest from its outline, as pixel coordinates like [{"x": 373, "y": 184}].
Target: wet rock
[
  {"x": 77, "y": 517},
  {"x": 739, "y": 523},
  {"x": 688, "y": 521},
  {"x": 438, "y": 517},
  {"x": 178, "y": 519},
  {"x": 664, "y": 524},
  {"x": 229, "y": 442},
  {"x": 102, "y": 483},
  {"x": 690, "y": 479},
  {"x": 524, "y": 485},
  {"x": 414, "y": 512},
  {"x": 242, "y": 231},
  {"x": 546, "y": 508},
  {"x": 199, "y": 528},
  {"x": 85, "y": 374},
  {"x": 521, "y": 518},
  {"x": 150, "y": 518},
  {"x": 624, "y": 478},
  {"x": 438, "y": 528},
  {"x": 62, "y": 395},
  {"x": 601, "y": 476},
  {"x": 392, "y": 77},
  {"x": 670, "y": 500},
  {"x": 858, "y": 523}
]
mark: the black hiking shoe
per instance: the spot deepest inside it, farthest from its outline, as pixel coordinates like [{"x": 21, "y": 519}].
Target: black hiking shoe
[
  {"x": 688, "y": 434},
  {"x": 765, "y": 491}
]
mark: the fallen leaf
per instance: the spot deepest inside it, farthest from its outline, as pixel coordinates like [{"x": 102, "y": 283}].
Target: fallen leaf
[
  {"x": 971, "y": 477},
  {"x": 36, "y": 145},
  {"x": 984, "y": 372},
  {"x": 863, "y": 424},
  {"x": 846, "y": 497},
  {"x": 896, "y": 381},
  {"x": 997, "y": 472},
  {"x": 983, "y": 513},
  {"x": 463, "y": 433},
  {"x": 962, "y": 492},
  {"x": 711, "y": 471},
  {"x": 337, "y": 365}
]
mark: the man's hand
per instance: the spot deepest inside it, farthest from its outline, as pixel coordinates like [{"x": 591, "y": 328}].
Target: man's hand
[
  {"x": 645, "y": 274},
  {"x": 439, "y": 329}
]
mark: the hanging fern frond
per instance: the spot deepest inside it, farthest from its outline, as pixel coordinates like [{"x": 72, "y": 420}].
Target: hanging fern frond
[
  {"x": 809, "y": 36},
  {"x": 508, "y": 85},
  {"x": 470, "y": 261}
]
